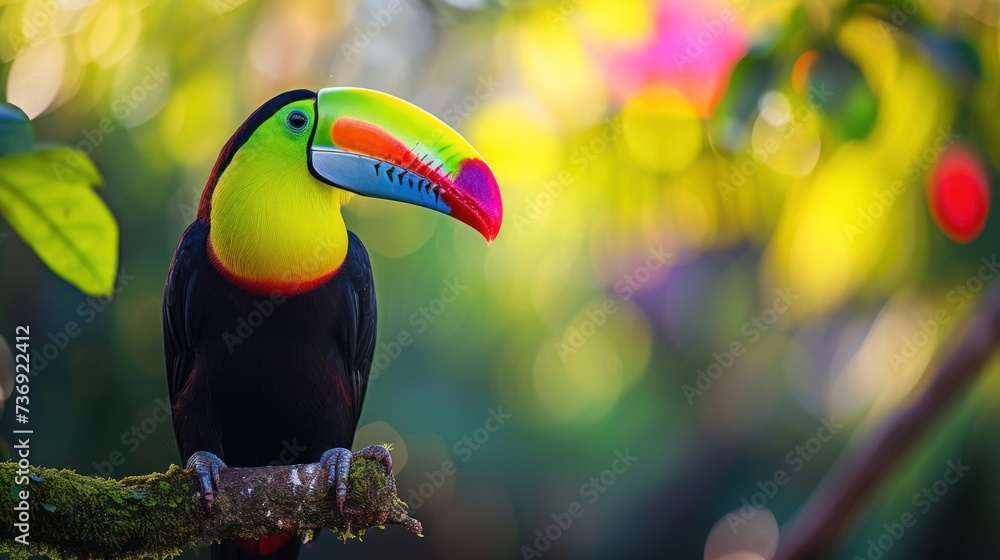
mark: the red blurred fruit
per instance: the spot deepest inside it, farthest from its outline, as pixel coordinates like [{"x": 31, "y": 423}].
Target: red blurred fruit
[{"x": 959, "y": 194}]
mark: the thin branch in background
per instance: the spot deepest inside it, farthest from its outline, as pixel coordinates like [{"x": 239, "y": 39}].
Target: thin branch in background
[{"x": 816, "y": 530}]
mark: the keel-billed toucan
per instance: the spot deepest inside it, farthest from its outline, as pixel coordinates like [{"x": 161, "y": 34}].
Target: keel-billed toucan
[{"x": 269, "y": 307}]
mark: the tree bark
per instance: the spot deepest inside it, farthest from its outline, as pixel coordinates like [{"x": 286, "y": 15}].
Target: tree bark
[{"x": 75, "y": 516}]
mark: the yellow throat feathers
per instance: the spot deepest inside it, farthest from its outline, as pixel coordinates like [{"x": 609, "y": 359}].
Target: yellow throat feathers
[{"x": 273, "y": 226}]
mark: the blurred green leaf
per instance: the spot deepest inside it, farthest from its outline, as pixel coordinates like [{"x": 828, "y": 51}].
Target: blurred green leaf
[
  {"x": 858, "y": 113},
  {"x": 16, "y": 134},
  {"x": 48, "y": 197}
]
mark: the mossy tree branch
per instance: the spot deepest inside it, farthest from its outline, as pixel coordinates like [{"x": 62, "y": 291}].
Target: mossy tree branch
[{"x": 76, "y": 516}]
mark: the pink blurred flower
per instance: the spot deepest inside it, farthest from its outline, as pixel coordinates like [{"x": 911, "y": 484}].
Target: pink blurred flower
[{"x": 692, "y": 48}]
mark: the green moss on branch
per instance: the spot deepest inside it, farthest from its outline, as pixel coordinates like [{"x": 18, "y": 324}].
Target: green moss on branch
[{"x": 157, "y": 515}]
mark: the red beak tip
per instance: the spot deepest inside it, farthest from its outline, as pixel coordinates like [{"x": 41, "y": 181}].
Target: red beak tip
[{"x": 476, "y": 181}]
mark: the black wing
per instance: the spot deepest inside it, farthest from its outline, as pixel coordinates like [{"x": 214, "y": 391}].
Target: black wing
[
  {"x": 179, "y": 315},
  {"x": 362, "y": 344}
]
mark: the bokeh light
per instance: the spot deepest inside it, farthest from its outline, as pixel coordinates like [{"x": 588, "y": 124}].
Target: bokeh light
[
  {"x": 667, "y": 167},
  {"x": 959, "y": 194}
]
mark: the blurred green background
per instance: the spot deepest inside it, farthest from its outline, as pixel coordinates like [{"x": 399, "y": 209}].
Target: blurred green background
[{"x": 731, "y": 227}]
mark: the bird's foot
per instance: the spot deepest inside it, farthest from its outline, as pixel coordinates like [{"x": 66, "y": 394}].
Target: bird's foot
[
  {"x": 381, "y": 454},
  {"x": 206, "y": 465},
  {"x": 337, "y": 462}
]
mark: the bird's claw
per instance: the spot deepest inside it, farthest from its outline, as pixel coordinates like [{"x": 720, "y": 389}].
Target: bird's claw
[
  {"x": 381, "y": 454},
  {"x": 337, "y": 462},
  {"x": 206, "y": 465}
]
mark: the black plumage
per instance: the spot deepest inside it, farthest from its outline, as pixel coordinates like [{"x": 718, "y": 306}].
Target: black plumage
[{"x": 253, "y": 376}]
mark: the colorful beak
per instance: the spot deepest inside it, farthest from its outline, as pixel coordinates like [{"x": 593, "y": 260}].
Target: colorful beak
[{"x": 377, "y": 145}]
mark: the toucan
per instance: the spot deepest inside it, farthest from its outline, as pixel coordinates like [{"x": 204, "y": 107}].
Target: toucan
[{"x": 269, "y": 313}]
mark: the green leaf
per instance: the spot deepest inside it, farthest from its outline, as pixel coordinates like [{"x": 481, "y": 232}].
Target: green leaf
[
  {"x": 16, "y": 134},
  {"x": 49, "y": 507},
  {"x": 48, "y": 197}
]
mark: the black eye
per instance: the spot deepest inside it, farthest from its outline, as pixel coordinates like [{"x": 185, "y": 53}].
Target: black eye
[{"x": 296, "y": 121}]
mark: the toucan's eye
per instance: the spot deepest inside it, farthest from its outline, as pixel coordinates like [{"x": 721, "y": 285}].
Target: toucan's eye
[{"x": 296, "y": 121}]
